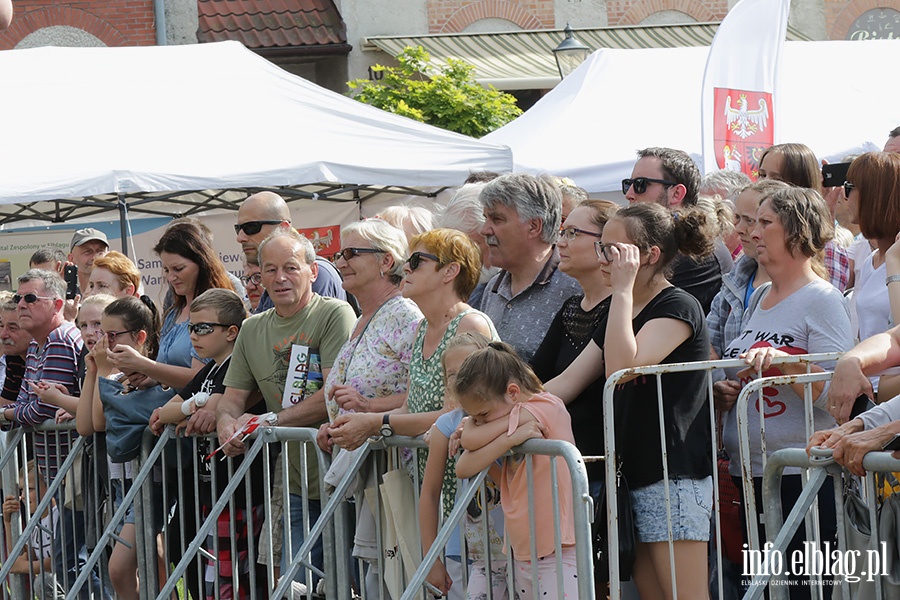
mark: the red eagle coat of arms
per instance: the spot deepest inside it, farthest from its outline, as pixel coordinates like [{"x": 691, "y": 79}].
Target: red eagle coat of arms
[{"x": 742, "y": 129}]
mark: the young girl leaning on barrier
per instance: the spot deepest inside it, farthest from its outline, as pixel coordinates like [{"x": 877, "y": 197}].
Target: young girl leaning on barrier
[
  {"x": 443, "y": 444},
  {"x": 131, "y": 322},
  {"x": 508, "y": 406}
]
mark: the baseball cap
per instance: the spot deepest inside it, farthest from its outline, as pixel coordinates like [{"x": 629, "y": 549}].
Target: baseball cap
[{"x": 86, "y": 235}]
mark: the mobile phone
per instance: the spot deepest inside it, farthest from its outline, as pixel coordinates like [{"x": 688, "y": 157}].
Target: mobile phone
[
  {"x": 835, "y": 174},
  {"x": 892, "y": 444},
  {"x": 70, "y": 274},
  {"x": 861, "y": 405}
]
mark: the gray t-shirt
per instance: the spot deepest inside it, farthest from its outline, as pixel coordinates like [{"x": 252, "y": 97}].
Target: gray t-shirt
[
  {"x": 813, "y": 319},
  {"x": 523, "y": 320}
]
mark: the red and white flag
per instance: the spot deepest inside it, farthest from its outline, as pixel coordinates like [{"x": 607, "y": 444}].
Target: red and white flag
[{"x": 739, "y": 85}]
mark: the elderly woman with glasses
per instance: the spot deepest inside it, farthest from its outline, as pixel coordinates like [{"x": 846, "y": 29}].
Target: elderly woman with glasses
[{"x": 252, "y": 281}]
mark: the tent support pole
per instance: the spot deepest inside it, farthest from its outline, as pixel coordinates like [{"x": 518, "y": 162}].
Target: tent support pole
[{"x": 123, "y": 222}]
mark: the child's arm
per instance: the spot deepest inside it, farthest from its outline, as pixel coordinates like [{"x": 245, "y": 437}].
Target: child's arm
[
  {"x": 56, "y": 394},
  {"x": 430, "y": 505},
  {"x": 473, "y": 462},
  {"x": 478, "y": 436},
  {"x": 171, "y": 411},
  {"x": 84, "y": 419}
]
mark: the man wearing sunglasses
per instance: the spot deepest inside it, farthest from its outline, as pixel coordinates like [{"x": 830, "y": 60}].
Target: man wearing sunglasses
[
  {"x": 257, "y": 217},
  {"x": 522, "y": 220},
  {"x": 52, "y": 357},
  {"x": 670, "y": 178}
]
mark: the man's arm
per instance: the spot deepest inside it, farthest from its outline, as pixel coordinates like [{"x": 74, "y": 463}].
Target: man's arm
[
  {"x": 308, "y": 413},
  {"x": 230, "y": 413}
]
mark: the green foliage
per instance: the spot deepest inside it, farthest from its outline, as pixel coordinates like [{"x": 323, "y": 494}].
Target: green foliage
[{"x": 448, "y": 97}]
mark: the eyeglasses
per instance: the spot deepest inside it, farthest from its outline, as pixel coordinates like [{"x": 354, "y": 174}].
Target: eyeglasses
[
  {"x": 415, "y": 259},
  {"x": 205, "y": 328},
  {"x": 603, "y": 251},
  {"x": 348, "y": 253},
  {"x": 640, "y": 184},
  {"x": 569, "y": 233},
  {"x": 111, "y": 336},
  {"x": 847, "y": 187},
  {"x": 255, "y": 279},
  {"x": 253, "y": 227},
  {"x": 30, "y": 298}
]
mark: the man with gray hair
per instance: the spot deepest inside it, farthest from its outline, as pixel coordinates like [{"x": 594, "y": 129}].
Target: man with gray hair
[
  {"x": 257, "y": 217},
  {"x": 286, "y": 353},
  {"x": 522, "y": 220},
  {"x": 14, "y": 343},
  {"x": 724, "y": 183}
]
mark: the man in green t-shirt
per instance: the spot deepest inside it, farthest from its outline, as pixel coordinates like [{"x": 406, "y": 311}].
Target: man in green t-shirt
[{"x": 285, "y": 354}]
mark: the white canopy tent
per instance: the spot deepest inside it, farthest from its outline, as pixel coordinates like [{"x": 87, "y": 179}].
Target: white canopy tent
[
  {"x": 86, "y": 130},
  {"x": 836, "y": 97}
]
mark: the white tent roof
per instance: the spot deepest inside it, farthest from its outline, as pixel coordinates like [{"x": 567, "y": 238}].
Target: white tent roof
[
  {"x": 836, "y": 97},
  {"x": 83, "y": 122}
]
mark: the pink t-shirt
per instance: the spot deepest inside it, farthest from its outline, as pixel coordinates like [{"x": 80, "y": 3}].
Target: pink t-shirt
[{"x": 550, "y": 412}]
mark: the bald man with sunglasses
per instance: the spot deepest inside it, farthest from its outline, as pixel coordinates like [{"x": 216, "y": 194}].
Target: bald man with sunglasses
[
  {"x": 257, "y": 217},
  {"x": 670, "y": 178}
]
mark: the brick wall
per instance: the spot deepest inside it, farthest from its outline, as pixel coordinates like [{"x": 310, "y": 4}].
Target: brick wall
[
  {"x": 840, "y": 14},
  {"x": 450, "y": 16},
  {"x": 632, "y": 12},
  {"x": 114, "y": 22}
]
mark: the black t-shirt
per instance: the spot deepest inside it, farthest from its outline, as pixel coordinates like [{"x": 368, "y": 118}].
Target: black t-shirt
[
  {"x": 701, "y": 278},
  {"x": 685, "y": 402},
  {"x": 15, "y": 371},
  {"x": 569, "y": 333},
  {"x": 210, "y": 379}
]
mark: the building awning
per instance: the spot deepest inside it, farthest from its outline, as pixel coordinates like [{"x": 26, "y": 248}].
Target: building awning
[{"x": 519, "y": 60}]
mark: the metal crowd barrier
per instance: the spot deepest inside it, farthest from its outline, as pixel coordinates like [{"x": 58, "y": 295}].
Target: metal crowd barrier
[
  {"x": 658, "y": 371},
  {"x": 869, "y": 575}
]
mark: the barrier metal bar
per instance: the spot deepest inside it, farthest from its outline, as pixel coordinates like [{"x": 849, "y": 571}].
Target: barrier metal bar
[
  {"x": 614, "y": 380},
  {"x": 51, "y": 493},
  {"x": 742, "y": 407},
  {"x": 9, "y": 465}
]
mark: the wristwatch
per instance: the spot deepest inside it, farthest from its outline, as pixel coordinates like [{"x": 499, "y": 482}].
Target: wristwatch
[
  {"x": 386, "y": 429},
  {"x": 271, "y": 419}
]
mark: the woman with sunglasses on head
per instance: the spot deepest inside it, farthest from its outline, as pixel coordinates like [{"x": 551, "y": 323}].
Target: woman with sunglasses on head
[
  {"x": 650, "y": 322},
  {"x": 797, "y": 312},
  {"x": 191, "y": 267},
  {"x": 575, "y": 323},
  {"x": 441, "y": 272}
]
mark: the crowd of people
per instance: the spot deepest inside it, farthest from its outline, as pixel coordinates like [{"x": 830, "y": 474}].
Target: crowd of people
[{"x": 493, "y": 321}]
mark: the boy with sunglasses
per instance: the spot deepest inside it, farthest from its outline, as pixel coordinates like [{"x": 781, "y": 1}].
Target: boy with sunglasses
[{"x": 215, "y": 320}]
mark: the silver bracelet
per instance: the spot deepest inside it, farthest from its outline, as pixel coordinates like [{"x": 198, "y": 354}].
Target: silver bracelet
[{"x": 891, "y": 279}]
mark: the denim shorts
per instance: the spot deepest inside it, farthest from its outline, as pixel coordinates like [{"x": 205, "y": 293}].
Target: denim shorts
[
  {"x": 691, "y": 510},
  {"x": 119, "y": 488}
]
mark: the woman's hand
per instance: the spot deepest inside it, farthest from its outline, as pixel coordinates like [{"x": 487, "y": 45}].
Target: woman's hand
[
  {"x": 892, "y": 257},
  {"x": 351, "y": 430},
  {"x": 349, "y": 399},
  {"x": 126, "y": 359},
  {"x": 850, "y": 450},
  {"x": 323, "y": 438},
  {"x": 759, "y": 360},
  {"x": 847, "y": 384},
  {"x": 829, "y": 438},
  {"x": 439, "y": 578},
  {"x": 626, "y": 261},
  {"x": 725, "y": 394}
]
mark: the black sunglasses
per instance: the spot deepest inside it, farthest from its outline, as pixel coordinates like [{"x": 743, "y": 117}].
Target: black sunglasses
[
  {"x": 30, "y": 298},
  {"x": 603, "y": 251},
  {"x": 640, "y": 184},
  {"x": 253, "y": 227},
  {"x": 415, "y": 259},
  {"x": 847, "y": 187},
  {"x": 255, "y": 279},
  {"x": 569, "y": 233},
  {"x": 348, "y": 253},
  {"x": 205, "y": 328}
]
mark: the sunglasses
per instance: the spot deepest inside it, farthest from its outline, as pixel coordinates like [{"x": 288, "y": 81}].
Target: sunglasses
[
  {"x": 255, "y": 279},
  {"x": 348, "y": 253},
  {"x": 205, "y": 328},
  {"x": 111, "y": 336},
  {"x": 415, "y": 259},
  {"x": 603, "y": 251},
  {"x": 253, "y": 227},
  {"x": 847, "y": 187},
  {"x": 569, "y": 233},
  {"x": 30, "y": 298},
  {"x": 640, "y": 184}
]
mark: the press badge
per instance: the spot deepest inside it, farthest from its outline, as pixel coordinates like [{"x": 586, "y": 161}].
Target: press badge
[{"x": 304, "y": 376}]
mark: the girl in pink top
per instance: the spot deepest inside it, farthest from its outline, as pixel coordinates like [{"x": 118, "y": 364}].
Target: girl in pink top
[{"x": 507, "y": 406}]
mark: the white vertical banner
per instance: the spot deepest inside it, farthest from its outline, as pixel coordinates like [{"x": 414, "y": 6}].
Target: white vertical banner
[{"x": 739, "y": 85}]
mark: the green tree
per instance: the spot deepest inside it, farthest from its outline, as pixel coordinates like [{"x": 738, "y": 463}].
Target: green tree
[{"x": 448, "y": 97}]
